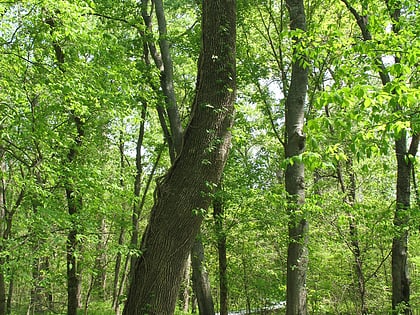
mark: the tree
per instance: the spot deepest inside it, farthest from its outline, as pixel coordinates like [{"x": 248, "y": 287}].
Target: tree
[
  {"x": 297, "y": 255},
  {"x": 186, "y": 190},
  {"x": 404, "y": 155}
]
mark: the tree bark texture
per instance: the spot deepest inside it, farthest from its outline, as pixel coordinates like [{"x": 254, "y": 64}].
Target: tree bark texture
[
  {"x": 201, "y": 281},
  {"x": 186, "y": 190},
  {"x": 297, "y": 255}
]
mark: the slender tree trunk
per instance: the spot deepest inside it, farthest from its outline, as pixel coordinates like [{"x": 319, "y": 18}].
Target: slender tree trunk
[
  {"x": 201, "y": 282},
  {"x": 121, "y": 237},
  {"x": 185, "y": 192},
  {"x": 350, "y": 199},
  {"x": 137, "y": 208},
  {"x": 297, "y": 253},
  {"x": 74, "y": 203},
  {"x": 3, "y": 295},
  {"x": 167, "y": 82},
  {"x": 186, "y": 296},
  {"x": 10, "y": 295},
  {"x": 400, "y": 275},
  {"x": 117, "y": 271},
  {"x": 74, "y": 198},
  {"x": 218, "y": 213},
  {"x": 163, "y": 61},
  {"x": 2, "y": 229}
]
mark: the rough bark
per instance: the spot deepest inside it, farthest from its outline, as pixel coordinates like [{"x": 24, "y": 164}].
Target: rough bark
[
  {"x": 201, "y": 282},
  {"x": 221, "y": 250},
  {"x": 297, "y": 255},
  {"x": 186, "y": 190}
]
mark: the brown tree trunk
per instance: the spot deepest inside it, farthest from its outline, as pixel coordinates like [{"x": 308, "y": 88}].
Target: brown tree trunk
[
  {"x": 74, "y": 198},
  {"x": 74, "y": 204},
  {"x": 221, "y": 250},
  {"x": 137, "y": 207},
  {"x": 400, "y": 275},
  {"x": 201, "y": 281},
  {"x": 350, "y": 199},
  {"x": 297, "y": 253},
  {"x": 185, "y": 192}
]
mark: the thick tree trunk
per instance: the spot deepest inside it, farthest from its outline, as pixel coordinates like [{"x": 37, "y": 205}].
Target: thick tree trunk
[
  {"x": 201, "y": 281},
  {"x": 185, "y": 192},
  {"x": 297, "y": 254},
  {"x": 221, "y": 250}
]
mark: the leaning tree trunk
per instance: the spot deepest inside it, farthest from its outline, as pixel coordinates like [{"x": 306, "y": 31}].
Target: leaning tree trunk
[
  {"x": 297, "y": 256},
  {"x": 186, "y": 190}
]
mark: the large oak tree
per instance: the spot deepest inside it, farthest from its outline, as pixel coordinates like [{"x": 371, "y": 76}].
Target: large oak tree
[{"x": 185, "y": 192}]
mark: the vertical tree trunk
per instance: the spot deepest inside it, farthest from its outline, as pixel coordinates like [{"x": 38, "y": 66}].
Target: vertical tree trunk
[
  {"x": 201, "y": 282},
  {"x": 137, "y": 207},
  {"x": 3, "y": 295},
  {"x": 400, "y": 275},
  {"x": 118, "y": 259},
  {"x": 186, "y": 296},
  {"x": 117, "y": 272},
  {"x": 218, "y": 212},
  {"x": 297, "y": 253},
  {"x": 350, "y": 199},
  {"x": 74, "y": 198},
  {"x": 185, "y": 192},
  {"x": 2, "y": 229}
]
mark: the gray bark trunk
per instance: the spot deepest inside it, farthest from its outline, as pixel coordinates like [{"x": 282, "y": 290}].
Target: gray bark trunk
[
  {"x": 297, "y": 254},
  {"x": 201, "y": 282},
  {"x": 186, "y": 190}
]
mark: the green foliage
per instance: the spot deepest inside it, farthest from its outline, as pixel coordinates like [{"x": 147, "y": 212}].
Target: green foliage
[{"x": 352, "y": 120}]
